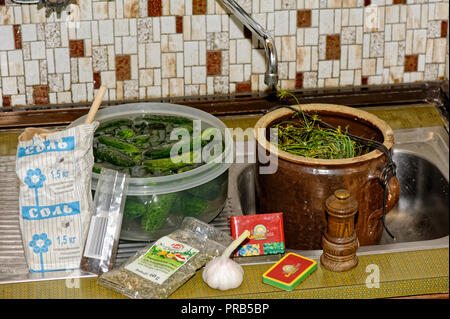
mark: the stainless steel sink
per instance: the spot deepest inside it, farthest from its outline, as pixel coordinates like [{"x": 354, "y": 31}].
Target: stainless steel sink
[{"x": 420, "y": 220}]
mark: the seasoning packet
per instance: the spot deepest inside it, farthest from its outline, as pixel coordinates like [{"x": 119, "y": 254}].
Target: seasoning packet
[
  {"x": 266, "y": 234},
  {"x": 104, "y": 229},
  {"x": 55, "y": 198},
  {"x": 289, "y": 271},
  {"x": 160, "y": 268}
]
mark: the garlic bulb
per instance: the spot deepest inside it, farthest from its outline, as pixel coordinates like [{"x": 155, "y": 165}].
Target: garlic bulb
[{"x": 222, "y": 272}]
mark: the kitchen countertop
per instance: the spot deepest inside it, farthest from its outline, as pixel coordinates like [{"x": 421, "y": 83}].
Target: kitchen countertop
[{"x": 401, "y": 274}]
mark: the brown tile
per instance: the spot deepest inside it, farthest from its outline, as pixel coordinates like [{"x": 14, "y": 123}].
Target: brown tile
[
  {"x": 179, "y": 24},
  {"x": 213, "y": 62},
  {"x": 123, "y": 70},
  {"x": 299, "y": 80},
  {"x": 399, "y": 1},
  {"x": 76, "y": 48},
  {"x": 333, "y": 47},
  {"x": 199, "y": 6},
  {"x": 97, "y": 80},
  {"x": 17, "y": 37},
  {"x": 6, "y": 100},
  {"x": 40, "y": 94},
  {"x": 303, "y": 18},
  {"x": 367, "y": 3},
  {"x": 154, "y": 8},
  {"x": 444, "y": 26},
  {"x": 411, "y": 62},
  {"x": 364, "y": 80},
  {"x": 243, "y": 87},
  {"x": 2, "y": 2}
]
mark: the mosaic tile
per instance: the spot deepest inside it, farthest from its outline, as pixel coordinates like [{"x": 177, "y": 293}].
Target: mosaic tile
[
  {"x": 444, "y": 28},
  {"x": 243, "y": 87},
  {"x": 213, "y": 63},
  {"x": 168, "y": 62},
  {"x": 55, "y": 82},
  {"x": 131, "y": 89},
  {"x": 131, "y": 8},
  {"x": 17, "y": 37},
  {"x": 411, "y": 62},
  {"x": 40, "y": 94},
  {"x": 199, "y": 6},
  {"x": 31, "y": 73},
  {"x": 52, "y": 35},
  {"x": 221, "y": 85},
  {"x": 76, "y": 48},
  {"x": 217, "y": 41},
  {"x": 154, "y": 8},
  {"x": 123, "y": 70},
  {"x": 376, "y": 44},
  {"x": 179, "y": 24},
  {"x": 333, "y": 47},
  {"x": 100, "y": 58}
]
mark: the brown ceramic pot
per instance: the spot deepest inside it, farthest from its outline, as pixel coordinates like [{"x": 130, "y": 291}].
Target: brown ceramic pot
[{"x": 301, "y": 185}]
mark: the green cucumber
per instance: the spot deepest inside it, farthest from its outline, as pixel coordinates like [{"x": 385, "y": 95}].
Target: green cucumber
[
  {"x": 188, "y": 205},
  {"x": 115, "y": 157},
  {"x": 157, "y": 211},
  {"x": 118, "y": 144},
  {"x": 126, "y": 133},
  {"x": 133, "y": 209},
  {"x": 174, "y": 163},
  {"x": 113, "y": 124},
  {"x": 163, "y": 151},
  {"x": 167, "y": 119}
]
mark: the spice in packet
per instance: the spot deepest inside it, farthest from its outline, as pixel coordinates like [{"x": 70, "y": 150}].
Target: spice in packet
[
  {"x": 102, "y": 240},
  {"x": 266, "y": 234},
  {"x": 159, "y": 269}
]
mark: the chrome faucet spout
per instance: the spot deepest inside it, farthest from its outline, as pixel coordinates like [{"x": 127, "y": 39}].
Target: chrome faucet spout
[{"x": 271, "y": 75}]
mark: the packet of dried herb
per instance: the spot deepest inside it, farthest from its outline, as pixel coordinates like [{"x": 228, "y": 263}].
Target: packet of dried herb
[{"x": 159, "y": 269}]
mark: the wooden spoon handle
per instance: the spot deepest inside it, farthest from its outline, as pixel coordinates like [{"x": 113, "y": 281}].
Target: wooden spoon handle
[{"x": 95, "y": 105}]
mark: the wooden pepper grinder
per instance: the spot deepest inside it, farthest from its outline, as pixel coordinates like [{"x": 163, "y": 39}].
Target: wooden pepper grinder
[{"x": 340, "y": 243}]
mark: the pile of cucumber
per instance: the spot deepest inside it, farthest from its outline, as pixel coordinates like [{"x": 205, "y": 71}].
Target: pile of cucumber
[{"x": 141, "y": 146}]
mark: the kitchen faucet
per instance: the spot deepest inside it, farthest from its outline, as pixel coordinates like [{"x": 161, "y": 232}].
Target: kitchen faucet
[{"x": 271, "y": 76}]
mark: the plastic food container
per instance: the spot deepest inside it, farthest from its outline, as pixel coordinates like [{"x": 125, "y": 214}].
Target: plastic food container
[{"x": 200, "y": 192}]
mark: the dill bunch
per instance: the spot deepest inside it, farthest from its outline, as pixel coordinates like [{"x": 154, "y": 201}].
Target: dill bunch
[{"x": 303, "y": 136}]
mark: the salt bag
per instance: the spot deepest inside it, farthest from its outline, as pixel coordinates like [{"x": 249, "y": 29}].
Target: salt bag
[{"x": 55, "y": 196}]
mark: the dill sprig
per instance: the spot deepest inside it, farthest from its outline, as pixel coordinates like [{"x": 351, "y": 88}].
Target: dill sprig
[{"x": 305, "y": 137}]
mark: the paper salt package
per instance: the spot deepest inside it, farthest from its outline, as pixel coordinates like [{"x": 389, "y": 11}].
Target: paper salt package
[{"x": 55, "y": 196}]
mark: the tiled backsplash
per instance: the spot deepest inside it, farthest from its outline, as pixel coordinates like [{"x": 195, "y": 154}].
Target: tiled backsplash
[{"x": 143, "y": 49}]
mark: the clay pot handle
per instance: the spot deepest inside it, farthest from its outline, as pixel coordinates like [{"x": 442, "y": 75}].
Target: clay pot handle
[
  {"x": 393, "y": 193},
  {"x": 392, "y": 198}
]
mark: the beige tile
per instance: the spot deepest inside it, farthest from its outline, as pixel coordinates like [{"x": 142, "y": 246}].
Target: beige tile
[
  {"x": 100, "y": 10},
  {"x": 369, "y": 66},
  {"x": 439, "y": 50},
  {"x": 399, "y": 32},
  {"x": 419, "y": 41},
  {"x": 413, "y": 16},
  {"x": 392, "y": 14},
  {"x": 390, "y": 54},
  {"x": 303, "y": 59},
  {"x": 168, "y": 65},
  {"x": 346, "y": 78},
  {"x": 288, "y": 49},
  {"x": 441, "y": 12},
  {"x": 354, "y": 56}
]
